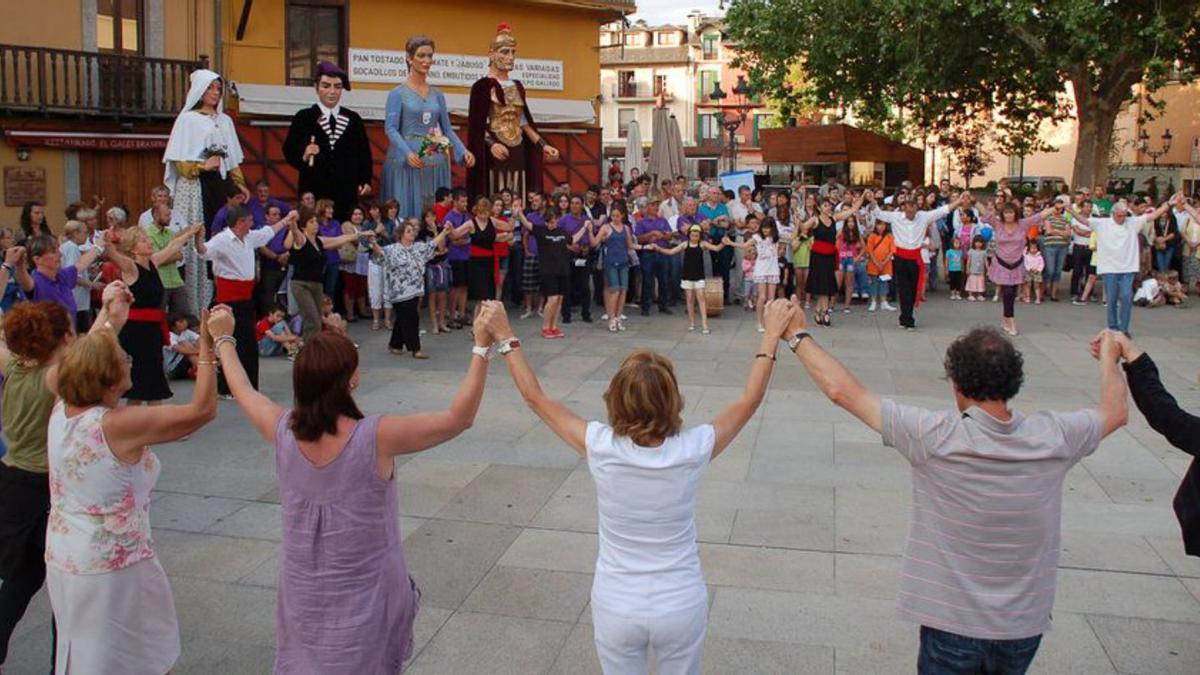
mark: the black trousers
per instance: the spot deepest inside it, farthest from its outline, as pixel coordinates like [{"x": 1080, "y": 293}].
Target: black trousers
[
  {"x": 906, "y": 272},
  {"x": 579, "y": 292},
  {"x": 1079, "y": 268},
  {"x": 24, "y": 510},
  {"x": 213, "y": 189},
  {"x": 956, "y": 280},
  {"x": 1008, "y": 296},
  {"x": 270, "y": 279},
  {"x": 722, "y": 263},
  {"x": 406, "y": 330},
  {"x": 247, "y": 346}
]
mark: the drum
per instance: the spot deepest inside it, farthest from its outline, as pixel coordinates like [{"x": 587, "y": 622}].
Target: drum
[{"x": 714, "y": 296}]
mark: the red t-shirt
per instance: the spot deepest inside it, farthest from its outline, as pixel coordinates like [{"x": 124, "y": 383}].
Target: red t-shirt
[
  {"x": 263, "y": 327},
  {"x": 440, "y": 211}
]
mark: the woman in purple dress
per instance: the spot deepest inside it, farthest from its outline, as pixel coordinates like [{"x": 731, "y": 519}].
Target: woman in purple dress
[
  {"x": 1008, "y": 264},
  {"x": 346, "y": 603}
]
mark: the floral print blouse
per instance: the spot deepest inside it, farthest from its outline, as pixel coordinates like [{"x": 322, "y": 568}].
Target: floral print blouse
[
  {"x": 99, "y": 506},
  {"x": 405, "y": 267}
]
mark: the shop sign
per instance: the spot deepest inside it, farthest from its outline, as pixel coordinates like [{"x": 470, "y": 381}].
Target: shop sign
[
  {"x": 450, "y": 70},
  {"x": 24, "y": 184}
]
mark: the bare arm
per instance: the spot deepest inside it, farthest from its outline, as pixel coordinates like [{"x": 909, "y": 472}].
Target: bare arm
[
  {"x": 170, "y": 252},
  {"x": 406, "y": 434},
  {"x": 1114, "y": 396},
  {"x": 730, "y": 421},
  {"x": 833, "y": 378},
  {"x": 262, "y": 412},
  {"x": 130, "y": 429}
]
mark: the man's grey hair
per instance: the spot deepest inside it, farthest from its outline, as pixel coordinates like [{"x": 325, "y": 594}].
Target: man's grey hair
[{"x": 117, "y": 213}]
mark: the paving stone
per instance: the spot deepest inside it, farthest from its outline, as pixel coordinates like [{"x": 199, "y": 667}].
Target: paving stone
[
  {"x": 553, "y": 550},
  {"x": 727, "y": 655},
  {"x": 191, "y": 513},
  {"x": 531, "y": 594},
  {"x": 448, "y": 558},
  {"x": 504, "y": 494},
  {"x": 767, "y": 568},
  {"x": 1122, "y": 594},
  {"x": 1148, "y": 646},
  {"x": 209, "y": 556},
  {"x": 1113, "y": 552},
  {"x": 484, "y": 643},
  {"x": 252, "y": 521}
]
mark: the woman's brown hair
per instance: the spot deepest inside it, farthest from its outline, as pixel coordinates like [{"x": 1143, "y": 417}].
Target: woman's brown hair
[
  {"x": 321, "y": 381},
  {"x": 643, "y": 399},
  {"x": 90, "y": 368},
  {"x": 34, "y": 330}
]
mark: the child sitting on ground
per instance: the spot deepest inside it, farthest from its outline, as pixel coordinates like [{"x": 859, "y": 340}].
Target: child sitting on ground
[
  {"x": 749, "y": 288},
  {"x": 274, "y": 337},
  {"x": 1173, "y": 290},
  {"x": 180, "y": 357},
  {"x": 331, "y": 320}
]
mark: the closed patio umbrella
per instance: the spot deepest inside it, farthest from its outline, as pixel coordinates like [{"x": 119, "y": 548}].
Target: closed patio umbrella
[{"x": 634, "y": 159}]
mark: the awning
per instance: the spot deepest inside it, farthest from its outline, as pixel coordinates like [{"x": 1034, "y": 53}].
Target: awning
[
  {"x": 283, "y": 101},
  {"x": 86, "y": 140}
]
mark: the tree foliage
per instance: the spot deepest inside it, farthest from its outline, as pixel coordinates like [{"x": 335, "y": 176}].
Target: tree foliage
[{"x": 916, "y": 67}]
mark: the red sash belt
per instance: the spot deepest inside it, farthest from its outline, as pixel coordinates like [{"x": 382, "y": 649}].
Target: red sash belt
[
  {"x": 234, "y": 290},
  {"x": 152, "y": 315},
  {"x": 914, "y": 254},
  {"x": 824, "y": 247}
]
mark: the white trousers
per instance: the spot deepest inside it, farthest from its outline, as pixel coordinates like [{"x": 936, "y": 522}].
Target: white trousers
[
  {"x": 375, "y": 285},
  {"x": 622, "y": 642}
]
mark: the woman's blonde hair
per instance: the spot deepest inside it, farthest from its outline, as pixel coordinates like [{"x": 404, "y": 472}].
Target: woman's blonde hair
[
  {"x": 70, "y": 228},
  {"x": 90, "y": 368},
  {"x": 129, "y": 239},
  {"x": 643, "y": 399}
]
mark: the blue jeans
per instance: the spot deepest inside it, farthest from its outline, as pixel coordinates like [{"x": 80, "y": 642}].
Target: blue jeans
[
  {"x": 931, "y": 272},
  {"x": 1055, "y": 257},
  {"x": 944, "y": 653},
  {"x": 1118, "y": 291},
  {"x": 332, "y": 273},
  {"x": 879, "y": 288},
  {"x": 654, "y": 268},
  {"x": 861, "y": 281},
  {"x": 674, "y": 265},
  {"x": 1163, "y": 259}
]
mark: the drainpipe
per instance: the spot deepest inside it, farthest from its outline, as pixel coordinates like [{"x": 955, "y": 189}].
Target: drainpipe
[{"x": 218, "y": 40}]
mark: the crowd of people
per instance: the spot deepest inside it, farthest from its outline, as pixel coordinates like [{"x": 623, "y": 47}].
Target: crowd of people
[{"x": 215, "y": 274}]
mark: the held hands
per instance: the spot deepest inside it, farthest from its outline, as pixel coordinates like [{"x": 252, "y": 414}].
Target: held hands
[
  {"x": 1111, "y": 345},
  {"x": 206, "y": 338},
  {"x": 492, "y": 324},
  {"x": 777, "y": 317},
  {"x": 14, "y": 255},
  {"x": 799, "y": 321},
  {"x": 116, "y": 299},
  {"x": 220, "y": 322}
]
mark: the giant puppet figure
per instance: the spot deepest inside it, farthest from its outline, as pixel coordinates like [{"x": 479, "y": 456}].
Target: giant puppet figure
[
  {"x": 327, "y": 144},
  {"x": 500, "y": 129}
]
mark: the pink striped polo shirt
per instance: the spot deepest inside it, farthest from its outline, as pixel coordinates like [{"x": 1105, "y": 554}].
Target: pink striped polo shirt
[{"x": 983, "y": 542}]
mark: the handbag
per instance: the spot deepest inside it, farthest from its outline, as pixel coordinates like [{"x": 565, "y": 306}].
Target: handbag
[{"x": 348, "y": 252}]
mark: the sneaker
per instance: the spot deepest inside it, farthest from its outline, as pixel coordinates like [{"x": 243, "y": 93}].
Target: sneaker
[
  {"x": 623, "y": 317},
  {"x": 871, "y": 307},
  {"x": 845, "y": 310},
  {"x": 761, "y": 329},
  {"x": 1077, "y": 302},
  {"x": 547, "y": 334},
  {"x": 566, "y": 319},
  {"x": 621, "y": 324},
  {"x": 888, "y": 307},
  {"x": 226, "y": 397},
  {"x": 604, "y": 317},
  {"x": 664, "y": 310},
  {"x": 705, "y": 331},
  {"x": 421, "y": 332},
  {"x": 526, "y": 314},
  {"x": 612, "y": 326},
  {"x": 587, "y": 318},
  {"x": 691, "y": 328},
  {"x": 557, "y": 333}
]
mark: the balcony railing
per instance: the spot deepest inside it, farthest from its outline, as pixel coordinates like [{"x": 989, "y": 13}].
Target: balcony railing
[{"x": 62, "y": 81}]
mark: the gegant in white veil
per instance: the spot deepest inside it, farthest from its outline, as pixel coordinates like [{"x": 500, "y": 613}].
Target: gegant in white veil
[{"x": 194, "y": 132}]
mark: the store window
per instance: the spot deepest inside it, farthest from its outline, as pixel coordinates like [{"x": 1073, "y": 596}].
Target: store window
[
  {"x": 316, "y": 31},
  {"x": 119, "y": 26}
]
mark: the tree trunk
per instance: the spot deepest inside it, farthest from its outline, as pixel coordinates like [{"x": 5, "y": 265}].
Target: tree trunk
[{"x": 1097, "y": 116}]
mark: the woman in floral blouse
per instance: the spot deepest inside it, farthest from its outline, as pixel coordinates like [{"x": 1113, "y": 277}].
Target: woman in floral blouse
[
  {"x": 109, "y": 593},
  {"x": 404, "y": 284}
]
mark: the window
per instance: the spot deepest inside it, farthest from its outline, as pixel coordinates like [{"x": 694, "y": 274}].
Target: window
[
  {"x": 119, "y": 26},
  {"x": 707, "y": 128},
  {"x": 624, "y": 117},
  {"x": 635, "y": 39},
  {"x": 708, "y": 80},
  {"x": 664, "y": 39},
  {"x": 660, "y": 85},
  {"x": 706, "y": 168},
  {"x": 316, "y": 31},
  {"x": 626, "y": 84},
  {"x": 709, "y": 46}
]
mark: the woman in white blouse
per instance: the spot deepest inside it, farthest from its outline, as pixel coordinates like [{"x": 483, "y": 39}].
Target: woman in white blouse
[{"x": 648, "y": 589}]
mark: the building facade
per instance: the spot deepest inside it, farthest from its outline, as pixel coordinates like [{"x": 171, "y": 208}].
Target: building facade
[
  {"x": 676, "y": 66},
  {"x": 86, "y": 106}
]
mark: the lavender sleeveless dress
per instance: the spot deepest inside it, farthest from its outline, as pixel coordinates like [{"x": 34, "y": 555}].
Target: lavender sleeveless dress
[{"x": 346, "y": 602}]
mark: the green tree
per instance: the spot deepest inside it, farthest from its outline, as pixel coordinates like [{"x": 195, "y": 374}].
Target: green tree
[{"x": 918, "y": 66}]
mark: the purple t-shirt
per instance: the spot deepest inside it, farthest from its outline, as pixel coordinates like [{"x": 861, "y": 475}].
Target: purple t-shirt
[
  {"x": 681, "y": 226},
  {"x": 276, "y": 246},
  {"x": 536, "y": 219},
  {"x": 458, "y": 252},
  {"x": 57, "y": 289},
  {"x": 647, "y": 225},
  {"x": 328, "y": 229},
  {"x": 572, "y": 224},
  {"x": 259, "y": 210}
]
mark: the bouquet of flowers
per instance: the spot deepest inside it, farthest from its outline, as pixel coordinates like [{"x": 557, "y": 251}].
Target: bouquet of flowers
[
  {"x": 214, "y": 150},
  {"x": 434, "y": 143}
]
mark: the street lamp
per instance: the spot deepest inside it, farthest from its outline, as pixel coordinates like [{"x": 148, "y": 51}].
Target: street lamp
[
  {"x": 731, "y": 116},
  {"x": 1144, "y": 145}
]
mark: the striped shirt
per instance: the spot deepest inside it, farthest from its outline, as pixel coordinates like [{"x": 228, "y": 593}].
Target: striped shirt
[{"x": 984, "y": 536}]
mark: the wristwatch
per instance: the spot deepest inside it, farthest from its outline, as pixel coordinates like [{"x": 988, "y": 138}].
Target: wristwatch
[
  {"x": 795, "y": 340},
  {"x": 484, "y": 353},
  {"x": 504, "y": 347}
]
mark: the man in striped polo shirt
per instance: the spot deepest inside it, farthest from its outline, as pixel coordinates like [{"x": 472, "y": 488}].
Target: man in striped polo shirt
[{"x": 981, "y": 558}]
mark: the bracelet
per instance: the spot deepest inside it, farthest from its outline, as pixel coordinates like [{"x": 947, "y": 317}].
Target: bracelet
[
  {"x": 541, "y": 143},
  {"x": 222, "y": 340},
  {"x": 764, "y": 355},
  {"x": 207, "y": 363}
]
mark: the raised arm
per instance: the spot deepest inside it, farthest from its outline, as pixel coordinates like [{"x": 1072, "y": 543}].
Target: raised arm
[
  {"x": 130, "y": 429},
  {"x": 565, "y": 424},
  {"x": 172, "y": 249},
  {"x": 1161, "y": 410},
  {"x": 262, "y": 412},
  {"x": 330, "y": 243},
  {"x": 833, "y": 378},
  {"x": 14, "y": 258},
  {"x": 1114, "y": 406},
  {"x": 779, "y": 313},
  {"x": 405, "y": 434}
]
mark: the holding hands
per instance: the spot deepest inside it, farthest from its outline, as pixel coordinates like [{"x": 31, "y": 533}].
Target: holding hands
[
  {"x": 1113, "y": 345},
  {"x": 220, "y": 322},
  {"x": 778, "y": 317},
  {"x": 491, "y": 325}
]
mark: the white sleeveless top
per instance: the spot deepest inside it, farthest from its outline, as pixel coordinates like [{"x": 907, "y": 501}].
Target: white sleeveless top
[
  {"x": 99, "y": 506},
  {"x": 648, "y": 564}
]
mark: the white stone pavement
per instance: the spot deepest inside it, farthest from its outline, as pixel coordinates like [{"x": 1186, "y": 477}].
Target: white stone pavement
[{"x": 801, "y": 521}]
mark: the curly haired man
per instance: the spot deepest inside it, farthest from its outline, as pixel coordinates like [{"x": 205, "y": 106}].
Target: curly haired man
[{"x": 983, "y": 543}]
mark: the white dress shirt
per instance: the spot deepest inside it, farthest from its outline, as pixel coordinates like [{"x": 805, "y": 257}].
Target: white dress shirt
[
  {"x": 911, "y": 233},
  {"x": 232, "y": 257}
]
